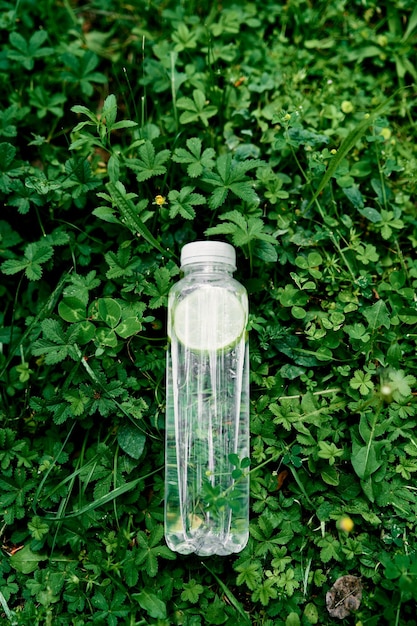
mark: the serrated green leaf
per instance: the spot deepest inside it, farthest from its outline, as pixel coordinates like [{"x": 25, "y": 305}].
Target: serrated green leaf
[
  {"x": 250, "y": 573},
  {"x": 401, "y": 384},
  {"x": 191, "y": 591},
  {"x": 13, "y": 266},
  {"x": 196, "y": 159},
  {"x": 329, "y": 548},
  {"x": 196, "y": 109},
  {"x": 33, "y": 271},
  {"x": 183, "y": 201},
  {"x": 56, "y": 344},
  {"x": 218, "y": 197},
  {"x": 38, "y": 528},
  {"x": 78, "y": 401},
  {"x": 150, "y": 163},
  {"x": 362, "y": 381},
  {"x": 245, "y": 191},
  {"x": 160, "y": 289}
]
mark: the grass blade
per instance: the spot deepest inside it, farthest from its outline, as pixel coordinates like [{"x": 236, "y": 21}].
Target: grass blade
[
  {"x": 108, "y": 497},
  {"x": 233, "y": 601}
]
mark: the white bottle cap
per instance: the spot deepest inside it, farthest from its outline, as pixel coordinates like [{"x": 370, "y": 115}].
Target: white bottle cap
[{"x": 208, "y": 252}]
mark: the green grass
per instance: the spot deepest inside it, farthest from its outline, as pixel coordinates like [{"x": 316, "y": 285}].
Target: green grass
[{"x": 127, "y": 130}]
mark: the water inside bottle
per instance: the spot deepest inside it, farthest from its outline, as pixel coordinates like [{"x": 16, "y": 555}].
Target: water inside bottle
[{"x": 206, "y": 508}]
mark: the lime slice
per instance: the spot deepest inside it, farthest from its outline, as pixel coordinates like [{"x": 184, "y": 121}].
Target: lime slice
[{"x": 209, "y": 318}]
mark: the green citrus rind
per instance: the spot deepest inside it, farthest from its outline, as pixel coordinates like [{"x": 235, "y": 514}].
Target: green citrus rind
[{"x": 209, "y": 318}]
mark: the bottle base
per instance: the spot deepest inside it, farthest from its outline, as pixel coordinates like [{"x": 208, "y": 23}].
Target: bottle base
[{"x": 207, "y": 545}]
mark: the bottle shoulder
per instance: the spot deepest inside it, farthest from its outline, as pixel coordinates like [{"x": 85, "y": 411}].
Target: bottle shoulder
[{"x": 192, "y": 282}]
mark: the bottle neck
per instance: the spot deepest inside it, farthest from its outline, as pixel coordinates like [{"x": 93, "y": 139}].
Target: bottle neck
[{"x": 207, "y": 268}]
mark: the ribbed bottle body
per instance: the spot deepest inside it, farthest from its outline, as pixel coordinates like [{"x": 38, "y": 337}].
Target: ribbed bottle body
[{"x": 207, "y": 416}]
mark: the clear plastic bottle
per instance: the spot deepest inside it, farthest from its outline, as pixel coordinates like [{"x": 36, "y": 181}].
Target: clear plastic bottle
[{"x": 207, "y": 414}]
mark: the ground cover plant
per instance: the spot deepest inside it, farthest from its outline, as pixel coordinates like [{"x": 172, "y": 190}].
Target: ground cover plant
[{"x": 127, "y": 130}]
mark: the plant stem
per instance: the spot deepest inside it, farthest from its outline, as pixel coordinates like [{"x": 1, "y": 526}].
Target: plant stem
[{"x": 397, "y": 616}]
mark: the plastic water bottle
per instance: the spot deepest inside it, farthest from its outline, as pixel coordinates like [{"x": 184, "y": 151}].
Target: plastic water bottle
[{"x": 207, "y": 413}]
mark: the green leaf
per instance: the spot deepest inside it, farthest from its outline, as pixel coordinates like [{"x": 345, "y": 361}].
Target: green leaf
[
  {"x": 192, "y": 591},
  {"x": 72, "y": 309},
  {"x": 77, "y": 400},
  {"x": 196, "y": 159},
  {"x": 128, "y": 327},
  {"x": 243, "y": 230},
  {"x": 35, "y": 255},
  {"x": 38, "y": 528},
  {"x": 293, "y": 619},
  {"x": 80, "y": 70},
  {"x": 56, "y": 344},
  {"x": 371, "y": 214},
  {"x": 160, "y": 289},
  {"x": 25, "y": 52},
  {"x": 329, "y": 451},
  {"x": 197, "y": 109},
  {"x": 105, "y": 499},
  {"x": 150, "y": 603},
  {"x": 231, "y": 176},
  {"x": 132, "y": 319},
  {"x": 330, "y": 476},
  {"x": 266, "y": 251},
  {"x": 120, "y": 264},
  {"x": 182, "y": 202},
  {"x": 13, "y": 266},
  {"x": 329, "y": 548},
  {"x": 377, "y": 315},
  {"x": 408, "y": 315},
  {"x": 365, "y": 460},
  {"x": 131, "y": 440},
  {"x": 401, "y": 384},
  {"x": 25, "y": 561},
  {"x": 7, "y": 154},
  {"x": 250, "y": 573},
  {"x": 109, "y": 311},
  {"x": 150, "y": 163},
  {"x": 85, "y": 332},
  {"x": 265, "y": 592},
  {"x": 109, "y": 110},
  {"x": 362, "y": 381},
  {"x": 106, "y": 337},
  {"x": 357, "y": 332}
]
